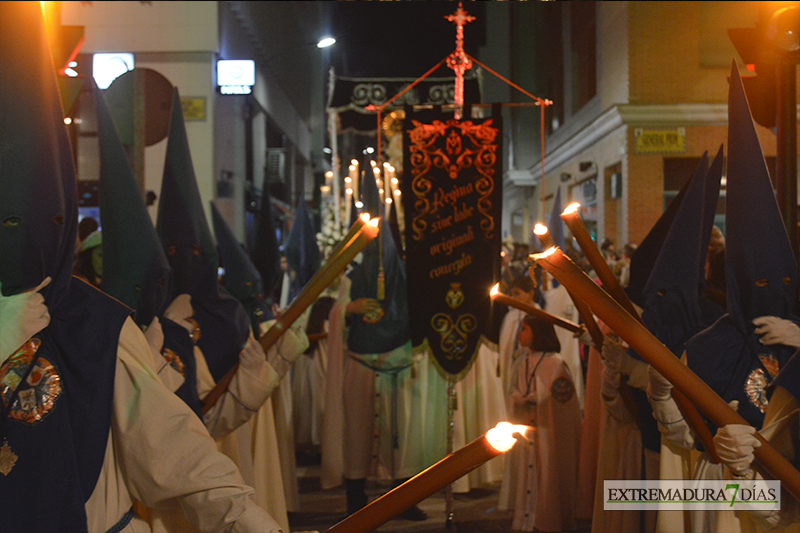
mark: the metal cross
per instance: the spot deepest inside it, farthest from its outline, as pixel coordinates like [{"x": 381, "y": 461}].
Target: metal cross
[{"x": 458, "y": 60}]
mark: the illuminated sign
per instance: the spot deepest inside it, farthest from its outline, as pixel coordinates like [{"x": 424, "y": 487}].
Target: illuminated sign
[
  {"x": 108, "y": 67},
  {"x": 236, "y": 76}
]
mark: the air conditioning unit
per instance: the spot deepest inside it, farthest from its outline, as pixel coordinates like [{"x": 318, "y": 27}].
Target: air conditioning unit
[{"x": 276, "y": 165}]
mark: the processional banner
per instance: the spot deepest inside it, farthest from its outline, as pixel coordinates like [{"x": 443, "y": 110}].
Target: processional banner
[{"x": 452, "y": 201}]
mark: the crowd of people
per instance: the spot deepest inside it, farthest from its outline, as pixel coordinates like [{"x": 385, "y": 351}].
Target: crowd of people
[{"x": 151, "y": 405}]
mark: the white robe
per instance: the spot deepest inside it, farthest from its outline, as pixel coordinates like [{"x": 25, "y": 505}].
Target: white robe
[
  {"x": 243, "y": 423},
  {"x": 559, "y": 303},
  {"x": 543, "y": 396},
  {"x": 160, "y": 453},
  {"x": 366, "y": 450}
]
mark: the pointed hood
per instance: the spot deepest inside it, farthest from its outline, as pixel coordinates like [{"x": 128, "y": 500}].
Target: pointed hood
[
  {"x": 135, "y": 269},
  {"x": 672, "y": 293},
  {"x": 301, "y": 248},
  {"x": 760, "y": 274},
  {"x": 393, "y": 329},
  {"x": 242, "y": 279},
  {"x": 369, "y": 191},
  {"x": 38, "y": 202},
  {"x": 760, "y": 267},
  {"x": 186, "y": 238},
  {"x": 555, "y": 226},
  {"x": 265, "y": 254},
  {"x": 647, "y": 252}
]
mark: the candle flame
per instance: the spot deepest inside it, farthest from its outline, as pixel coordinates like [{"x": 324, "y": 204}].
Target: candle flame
[
  {"x": 550, "y": 251},
  {"x": 347, "y": 179},
  {"x": 540, "y": 229},
  {"x": 571, "y": 208},
  {"x": 325, "y": 188},
  {"x": 329, "y": 174},
  {"x": 501, "y": 437},
  {"x": 348, "y": 190},
  {"x": 495, "y": 290},
  {"x": 388, "y": 200},
  {"x": 352, "y": 168},
  {"x": 374, "y": 222},
  {"x": 354, "y": 162},
  {"x": 365, "y": 217}
]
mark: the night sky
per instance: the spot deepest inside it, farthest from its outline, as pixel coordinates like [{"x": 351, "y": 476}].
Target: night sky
[{"x": 399, "y": 39}]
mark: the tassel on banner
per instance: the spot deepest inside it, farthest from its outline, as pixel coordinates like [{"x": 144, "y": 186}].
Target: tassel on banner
[{"x": 381, "y": 284}]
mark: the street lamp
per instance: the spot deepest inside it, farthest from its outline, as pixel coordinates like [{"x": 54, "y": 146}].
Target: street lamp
[{"x": 325, "y": 42}]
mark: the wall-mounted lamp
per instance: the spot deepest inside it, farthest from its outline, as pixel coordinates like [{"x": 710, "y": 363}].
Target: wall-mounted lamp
[{"x": 583, "y": 166}]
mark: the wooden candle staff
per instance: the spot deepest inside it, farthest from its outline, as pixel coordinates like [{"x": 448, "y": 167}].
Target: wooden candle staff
[
  {"x": 612, "y": 286},
  {"x": 344, "y": 254},
  {"x": 664, "y": 361},
  {"x": 499, "y": 297},
  {"x": 459, "y": 463}
]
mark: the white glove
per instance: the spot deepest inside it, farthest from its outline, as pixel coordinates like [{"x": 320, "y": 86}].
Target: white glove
[
  {"x": 735, "y": 444},
  {"x": 616, "y": 357},
  {"x": 22, "y": 316},
  {"x": 584, "y": 338},
  {"x": 658, "y": 387},
  {"x": 776, "y": 330},
  {"x": 179, "y": 310},
  {"x": 252, "y": 355},
  {"x": 289, "y": 347},
  {"x": 155, "y": 337}
]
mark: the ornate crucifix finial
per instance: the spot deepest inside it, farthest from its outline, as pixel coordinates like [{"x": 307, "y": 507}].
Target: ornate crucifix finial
[{"x": 458, "y": 60}]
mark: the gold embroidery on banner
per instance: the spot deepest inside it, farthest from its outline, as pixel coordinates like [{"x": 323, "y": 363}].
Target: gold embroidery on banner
[
  {"x": 455, "y": 296},
  {"x": 453, "y": 334},
  {"x": 467, "y": 145}
]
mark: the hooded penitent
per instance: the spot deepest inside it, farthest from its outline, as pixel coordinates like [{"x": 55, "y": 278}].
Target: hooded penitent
[
  {"x": 643, "y": 265},
  {"x": 646, "y": 253},
  {"x": 186, "y": 238},
  {"x": 265, "y": 254},
  {"x": 390, "y": 329},
  {"x": 672, "y": 293},
  {"x": 242, "y": 279},
  {"x": 57, "y": 390},
  {"x": 135, "y": 269},
  {"x": 760, "y": 270},
  {"x": 301, "y": 249},
  {"x": 555, "y": 225}
]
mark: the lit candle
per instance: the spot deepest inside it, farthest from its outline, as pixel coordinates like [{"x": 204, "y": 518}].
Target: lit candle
[
  {"x": 499, "y": 297},
  {"x": 541, "y": 231},
  {"x": 578, "y": 229},
  {"x": 341, "y": 256},
  {"x": 354, "y": 177},
  {"x": 663, "y": 360},
  {"x": 498, "y": 440}
]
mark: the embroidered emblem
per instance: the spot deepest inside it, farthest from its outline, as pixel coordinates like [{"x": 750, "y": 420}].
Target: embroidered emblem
[
  {"x": 195, "y": 334},
  {"x": 40, "y": 391},
  {"x": 455, "y": 296},
  {"x": 372, "y": 317},
  {"x": 562, "y": 390},
  {"x": 756, "y": 385},
  {"x": 7, "y": 458},
  {"x": 173, "y": 360}
]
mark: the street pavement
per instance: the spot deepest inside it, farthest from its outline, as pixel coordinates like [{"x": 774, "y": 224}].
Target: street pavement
[{"x": 473, "y": 512}]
